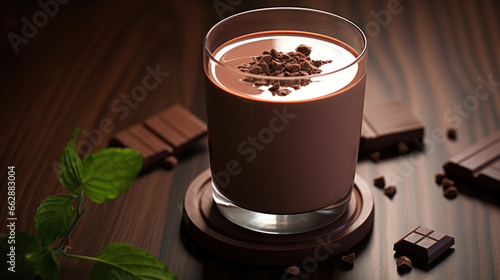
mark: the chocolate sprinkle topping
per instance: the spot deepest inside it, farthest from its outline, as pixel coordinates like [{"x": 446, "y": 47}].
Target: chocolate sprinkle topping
[{"x": 279, "y": 64}]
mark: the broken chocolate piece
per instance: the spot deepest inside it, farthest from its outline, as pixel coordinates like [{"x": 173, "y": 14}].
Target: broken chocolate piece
[
  {"x": 450, "y": 192},
  {"x": 451, "y": 133},
  {"x": 438, "y": 178},
  {"x": 379, "y": 182},
  {"x": 479, "y": 164},
  {"x": 388, "y": 124},
  {"x": 349, "y": 258},
  {"x": 306, "y": 50},
  {"x": 162, "y": 137},
  {"x": 390, "y": 191},
  {"x": 404, "y": 263},
  {"x": 293, "y": 270},
  {"x": 423, "y": 245},
  {"x": 446, "y": 183}
]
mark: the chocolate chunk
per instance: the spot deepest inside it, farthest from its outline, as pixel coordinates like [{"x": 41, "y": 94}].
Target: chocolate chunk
[
  {"x": 317, "y": 63},
  {"x": 403, "y": 263},
  {"x": 255, "y": 70},
  {"x": 349, "y": 258},
  {"x": 450, "y": 192},
  {"x": 274, "y": 87},
  {"x": 423, "y": 245},
  {"x": 306, "y": 50},
  {"x": 479, "y": 164},
  {"x": 259, "y": 83},
  {"x": 281, "y": 92},
  {"x": 386, "y": 125},
  {"x": 379, "y": 182},
  {"x": 293, "y": 67},
  {"x": 162, "y": 137},
  {"x": 438, "y": 178},
  {"x": 451, "y": 133},
  {"x": 304, "y": 65},
  {"x": 275, "y": 66},
  {"x": 390, "y": 191},
  {"x": 446, "y": 183},
  {"x": 264, "y": 67},
  {"x": 293, "y": 270},
  {"x": 243, "y": 67},
  {"x": 266, "y": 58}
]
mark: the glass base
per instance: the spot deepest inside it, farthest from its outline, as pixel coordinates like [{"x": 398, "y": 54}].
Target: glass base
[{"x": 279, "y": 224}]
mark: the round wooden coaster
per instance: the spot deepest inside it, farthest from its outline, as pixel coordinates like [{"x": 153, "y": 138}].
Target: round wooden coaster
[{"x": 210, "y": 229}]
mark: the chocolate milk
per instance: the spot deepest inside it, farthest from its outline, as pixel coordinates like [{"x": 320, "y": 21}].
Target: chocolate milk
[{"x": 291, "y": 154}]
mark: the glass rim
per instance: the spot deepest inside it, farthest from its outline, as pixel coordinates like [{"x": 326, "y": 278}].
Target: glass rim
[{"x": 256, "y": 76}]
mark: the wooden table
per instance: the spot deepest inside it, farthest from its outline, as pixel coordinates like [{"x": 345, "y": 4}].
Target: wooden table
[{"x": 84, "y": 61}]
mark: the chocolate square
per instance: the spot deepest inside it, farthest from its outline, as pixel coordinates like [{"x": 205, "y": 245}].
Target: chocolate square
[{"x": 423, "y": 245}]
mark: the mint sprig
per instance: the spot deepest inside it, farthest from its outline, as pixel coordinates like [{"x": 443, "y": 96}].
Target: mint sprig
[
  {"x": 54, "y": 218},
  {"x": 108, "y": 173},
  {"x": 71, "y": 167},
  {"x": 101, "y": 176}
]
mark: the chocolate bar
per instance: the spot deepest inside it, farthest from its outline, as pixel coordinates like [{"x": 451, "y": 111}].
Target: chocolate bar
[
  {"x": 479, "y": 164},
  {"x": 389, "y": 125},
  {"x": 423, "y": 245},
  {"x": 163, "y": 136}
]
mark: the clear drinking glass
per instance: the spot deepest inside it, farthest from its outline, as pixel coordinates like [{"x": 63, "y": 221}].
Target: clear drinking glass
[{"x": 284, "y": 164}]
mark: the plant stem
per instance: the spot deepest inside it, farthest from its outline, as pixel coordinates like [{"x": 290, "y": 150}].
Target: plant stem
[
  {"x": 88, "y": 258},
  {"x": 80, "y": 198},
  {"x": 79, "y": 257},
  {"x": 79, "y": 215}
]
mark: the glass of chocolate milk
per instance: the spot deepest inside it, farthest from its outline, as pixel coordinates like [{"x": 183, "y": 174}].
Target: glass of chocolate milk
[{"x": 284, "y": 93}]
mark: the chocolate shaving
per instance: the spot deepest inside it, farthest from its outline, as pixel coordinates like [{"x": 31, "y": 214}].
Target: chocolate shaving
[{"x": 278, "y": 64}]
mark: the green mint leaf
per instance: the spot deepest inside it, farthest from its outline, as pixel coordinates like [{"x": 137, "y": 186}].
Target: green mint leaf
[
  {"x": 45, "y": 262},
  {"x": 122, "y": 261},
  {"x": 54, "y": 218},
  {"x": 71, "y": 167},
  {"x": 109, "y": 172},
  {"x": 25, "y": 243}
]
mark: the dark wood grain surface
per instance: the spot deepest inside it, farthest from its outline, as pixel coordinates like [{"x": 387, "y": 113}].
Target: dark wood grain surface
[{"x": 441, "y": 58}]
